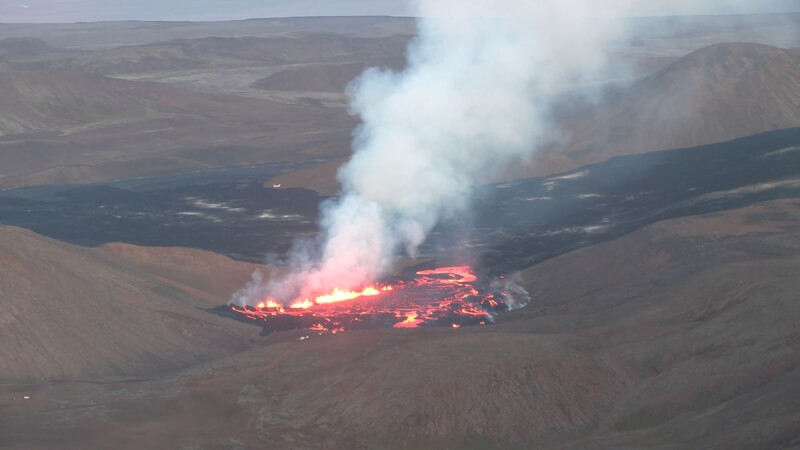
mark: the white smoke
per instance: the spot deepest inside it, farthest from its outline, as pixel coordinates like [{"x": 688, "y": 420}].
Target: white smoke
[{"x": 469, "y": 103}]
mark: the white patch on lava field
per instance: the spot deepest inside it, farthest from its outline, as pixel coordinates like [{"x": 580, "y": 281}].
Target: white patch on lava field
[
  {"x": 587, "y": 229},
  {"x": 205, "y": 204},
  {"x": 749, "y": 189},
  {"x": 269, "y": 214},
  {"x": 783, "y": 151},
  {"x": 553, "y": 182},
  {"x": 202, "y": 215}
]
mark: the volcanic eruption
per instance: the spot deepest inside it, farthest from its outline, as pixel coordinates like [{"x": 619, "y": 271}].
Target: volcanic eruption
[
  {"x": 470, "y": 101},
  {"x": 445, "y": 296}
]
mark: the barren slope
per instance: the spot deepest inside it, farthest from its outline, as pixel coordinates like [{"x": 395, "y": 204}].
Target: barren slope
[
  {"x": 11, "y": 48},
  {"x": 59, "y": 101},
  {"x": 217, "y": 52},
  {"x": 68, "y": 127},
  {"x": 703, "y": 310},
  {"x": 94, "y": 35},
  {"x": 681, "y": 334},
  {"x": 317, "y": 77},
  {"x": 70, "y": 312},
  {"x": 714, "y": 94}
]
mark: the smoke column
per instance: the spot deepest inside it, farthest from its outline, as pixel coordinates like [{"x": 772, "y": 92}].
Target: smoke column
[{"x": 469, "y": 103}]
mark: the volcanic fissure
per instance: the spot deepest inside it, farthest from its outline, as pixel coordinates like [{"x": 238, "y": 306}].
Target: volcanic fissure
[{"x": 445, "y": 296}]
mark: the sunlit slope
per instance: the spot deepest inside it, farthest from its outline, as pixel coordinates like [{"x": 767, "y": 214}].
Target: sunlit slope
[{"x": 71, "y": 312}]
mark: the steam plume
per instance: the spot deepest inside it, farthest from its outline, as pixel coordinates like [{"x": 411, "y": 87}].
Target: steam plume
[{"x": 469, "y": 103}]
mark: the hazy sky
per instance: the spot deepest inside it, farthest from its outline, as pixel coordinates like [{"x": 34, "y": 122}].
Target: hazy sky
[{"x": 96, "y": 10}]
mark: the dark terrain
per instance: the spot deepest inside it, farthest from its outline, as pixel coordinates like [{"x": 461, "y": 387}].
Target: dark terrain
[
  {"x": 681, "y": 334},
  {"x": 676, "y": 319},
  {"x": 659, "y": 242},
  {"x": 238, "y": 213},
  {"x": 190, "y": 96}
]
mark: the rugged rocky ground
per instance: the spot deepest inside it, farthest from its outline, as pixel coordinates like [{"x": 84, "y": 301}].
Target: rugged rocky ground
[
  {"x": 72, "y": 137},
  {"x": 683, "y": 333},
  {"x": 664, "y": 309},
  {"x": 73, "y": 127},
  {"x": 74, "y": 313},
  {"x": 714, "y": 94}
]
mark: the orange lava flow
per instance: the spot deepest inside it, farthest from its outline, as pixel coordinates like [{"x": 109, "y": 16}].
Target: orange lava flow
[
  {"x": 304, "y": 304},
  {"x": 411, "y": 321},
  {"x": 445, "y": 296},
  {"x": 459, "y": 274},
  {"x": 339, "y": 295}
]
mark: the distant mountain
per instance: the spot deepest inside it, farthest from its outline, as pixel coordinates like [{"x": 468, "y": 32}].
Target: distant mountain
[
  {"x": 25, "y": 46},
  {"x": 714, "y": 94},
  {"x": 316, "y": 77},
  {"x": 69, "y": 126},
  {"x": 94, "y": 35},
  {"x": 187, "y": 54},
  {"x": 63, "y": 100},
  {"x": 71, "y": 312},
  {"x": 55, "y": 101}
]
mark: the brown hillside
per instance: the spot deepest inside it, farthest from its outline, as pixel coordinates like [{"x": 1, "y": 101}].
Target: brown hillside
[
  {"x": 70, "y": 127},
  {"x": 93, "y": 35},
  {"x": 61, "y": 101},
  {"x": 714, "y": 94},
  {"x": 70, "y": 312},
  {"x": 321, "y": 178},
  {"x": 51, "y": 101},
  {"x": 216, "y": 52},
  {"x": 23, "y": 46},
  {"x": 206, "y": 275},
  {"x": 325, "y": 77},
  {"x": 681, "y": 334}
]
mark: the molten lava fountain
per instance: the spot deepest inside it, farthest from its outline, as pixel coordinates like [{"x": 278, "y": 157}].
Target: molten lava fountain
[{"x": 446, "y": 296}]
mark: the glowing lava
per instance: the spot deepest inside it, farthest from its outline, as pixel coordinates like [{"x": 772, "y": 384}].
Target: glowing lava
[
  {"x": 446, "y": 296},
  {"x": 339, "y": 295},
  {"x": 459, "y": 274},
  {"x": 411, "y": 321}
]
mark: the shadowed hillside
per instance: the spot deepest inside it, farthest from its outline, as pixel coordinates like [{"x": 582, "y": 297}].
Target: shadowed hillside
[
  {"x": 216, "y": 52},
  {"x": 714, "y": 94},
  {"x": 72, "y": 127},
  {"x": 22, "y": 47},
  {"x": 660, "y": 250},
  {"x": 318, "y": 77},
  {"x": 94, "y": 35},
  {"x": 682, "y": 333},
  {"x": 70, "y": 312},
  {"x": 61, "y": 101}
]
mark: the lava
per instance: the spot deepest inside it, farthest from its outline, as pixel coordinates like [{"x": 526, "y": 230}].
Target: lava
[
  {"x": 446, "y": 296},
  {"x": 412, "y": 321},
  {"x": 339, "y": 295}
]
